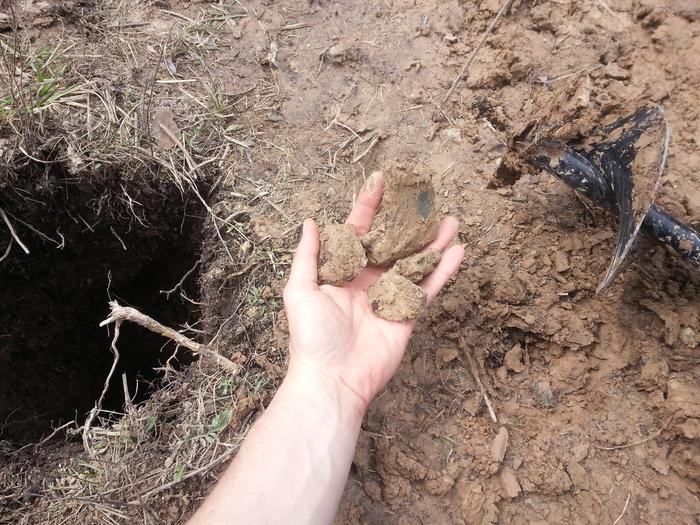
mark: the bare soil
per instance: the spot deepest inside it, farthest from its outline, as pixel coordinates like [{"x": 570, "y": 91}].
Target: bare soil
[{"x": 598, "y": 394}]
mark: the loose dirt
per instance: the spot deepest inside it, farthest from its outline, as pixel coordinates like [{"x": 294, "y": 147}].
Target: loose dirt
[
  {"x": 599, "y": 397},
  {"x": 342, "y": 256}
]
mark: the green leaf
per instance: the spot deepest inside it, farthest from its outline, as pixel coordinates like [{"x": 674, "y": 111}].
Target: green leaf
[
  {"x": 178, "y": 473},
  {"x": 220, "y": 421},
  {"x": 150, "y": 424}
]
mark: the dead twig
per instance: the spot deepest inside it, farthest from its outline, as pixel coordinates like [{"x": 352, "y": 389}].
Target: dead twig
[
  {"x": 126, "y": 313},
  {"x": 5, "y": 218},
  {"x": 504, "y": 9}
]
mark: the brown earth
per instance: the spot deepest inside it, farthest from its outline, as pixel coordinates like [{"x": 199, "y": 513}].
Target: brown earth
[{"x": 598, "y": 393}]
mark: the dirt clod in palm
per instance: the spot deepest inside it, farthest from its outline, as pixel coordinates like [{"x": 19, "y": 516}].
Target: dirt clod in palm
[
  {"x": 407, "y": 220},
  {"x": 416, "y": 267},
  {"x": 395, "y": 298},
  {"x": 342, "y": 256}
]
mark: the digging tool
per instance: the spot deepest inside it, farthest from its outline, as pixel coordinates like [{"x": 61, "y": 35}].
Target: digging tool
[{"x": 621, "y": 172}]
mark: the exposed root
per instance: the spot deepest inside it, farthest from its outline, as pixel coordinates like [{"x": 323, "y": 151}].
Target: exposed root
[
  {"x": 7, "y": 250},
  {"x": 126, "y": 313},
  {"x": 5, "y": 218},
  {"x": 635, "y": 443},
  {"x": 98, "y": 406}
]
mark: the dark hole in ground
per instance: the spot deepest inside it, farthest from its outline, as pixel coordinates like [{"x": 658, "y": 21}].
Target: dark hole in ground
[{"x": 53, "y": 356}]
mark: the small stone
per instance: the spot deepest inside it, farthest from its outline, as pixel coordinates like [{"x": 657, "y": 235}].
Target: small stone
[
  {"x": 499, "y": 445},
  {"x": 578, "y": 475},
  {"x": 528, "y": 262},
  {"x": 473, "y": 403},
  {"x": 451, "y": 135},
  {"x": 517, "y": 462},
  {"x": 164, "y": 128},
  {"x": 561, "y": 261},
  {"x": 342, "y": 255},
  {"x": 502, "y": 374},
  {"x": 509, "y": 482},
  {"x": 688, "y": 337},
  {"x": 416, "y": 267},
  {"x": 514, "y": 359},
  {"x": 395, "y": 298},
  {"x": 446, "y": 355},
  {"x": 661, "y": 465},
  {"x": 612, "y": 70},
  {"x": 580, "y": 452}
]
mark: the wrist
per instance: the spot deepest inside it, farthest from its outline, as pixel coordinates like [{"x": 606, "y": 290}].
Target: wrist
[{"x": 324, "y": 390}]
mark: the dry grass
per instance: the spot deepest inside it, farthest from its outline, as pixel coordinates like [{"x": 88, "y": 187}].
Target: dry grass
[{"x": 191, "y": 425}]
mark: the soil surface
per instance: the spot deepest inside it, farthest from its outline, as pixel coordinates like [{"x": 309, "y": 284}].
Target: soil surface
[{"x": 597, "y": 394}]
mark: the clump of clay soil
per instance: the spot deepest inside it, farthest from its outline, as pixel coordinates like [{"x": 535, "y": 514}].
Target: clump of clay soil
[
  {"x": 342, "y": 255},
  {"x": 395, "y": 298},
  {"x": 407, "y": 220},
  {"x": 416, "y": 267},
  {"x": 406, "y": 223}
]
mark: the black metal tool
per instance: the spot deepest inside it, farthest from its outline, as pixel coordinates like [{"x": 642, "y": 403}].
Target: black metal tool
[{"x": 621, "y": 172}]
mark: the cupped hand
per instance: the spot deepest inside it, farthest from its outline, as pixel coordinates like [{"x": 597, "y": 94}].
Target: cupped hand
[{"x": 333, "y": 332}]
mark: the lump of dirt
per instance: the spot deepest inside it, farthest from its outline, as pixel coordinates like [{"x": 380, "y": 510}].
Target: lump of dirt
[
  {"x": 342, "y": 255},
  {"x": 416, "y": 267},
  {"x": 407, "y": 220},
  {"x": 395, "y": 298}
]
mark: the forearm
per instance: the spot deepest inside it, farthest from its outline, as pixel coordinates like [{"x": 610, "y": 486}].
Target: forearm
[{"x": 294, "y": 463}]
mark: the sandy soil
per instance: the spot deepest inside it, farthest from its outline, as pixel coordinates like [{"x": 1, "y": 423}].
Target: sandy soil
[{"x": 599, "y": 394}]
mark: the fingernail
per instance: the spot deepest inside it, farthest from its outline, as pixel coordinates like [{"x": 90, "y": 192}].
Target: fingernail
[
  {"x": 306, "y": 225},
  {"x": 372, "y": 183}
]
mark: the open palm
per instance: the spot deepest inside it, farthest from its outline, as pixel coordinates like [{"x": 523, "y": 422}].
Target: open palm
[{"x": 333, "y": 329}]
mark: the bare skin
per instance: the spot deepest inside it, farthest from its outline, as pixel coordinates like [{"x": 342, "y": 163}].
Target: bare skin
[{"x": 293, "y": 465}]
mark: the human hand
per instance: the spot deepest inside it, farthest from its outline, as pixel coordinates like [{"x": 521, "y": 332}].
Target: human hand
[{"x": 335, "y": 338}]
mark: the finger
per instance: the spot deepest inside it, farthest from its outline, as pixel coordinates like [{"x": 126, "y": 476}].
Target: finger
[
  {"x": 449, "y": 264},
  {"x": 446, "y": 231},
  {"x": 368, "y": 200},
  {"x": 304, "y": 272},
  {"x": 366, "y": 278}
]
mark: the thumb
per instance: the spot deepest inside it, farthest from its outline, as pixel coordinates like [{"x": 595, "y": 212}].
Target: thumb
[{"x": 304, "y": 272}]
